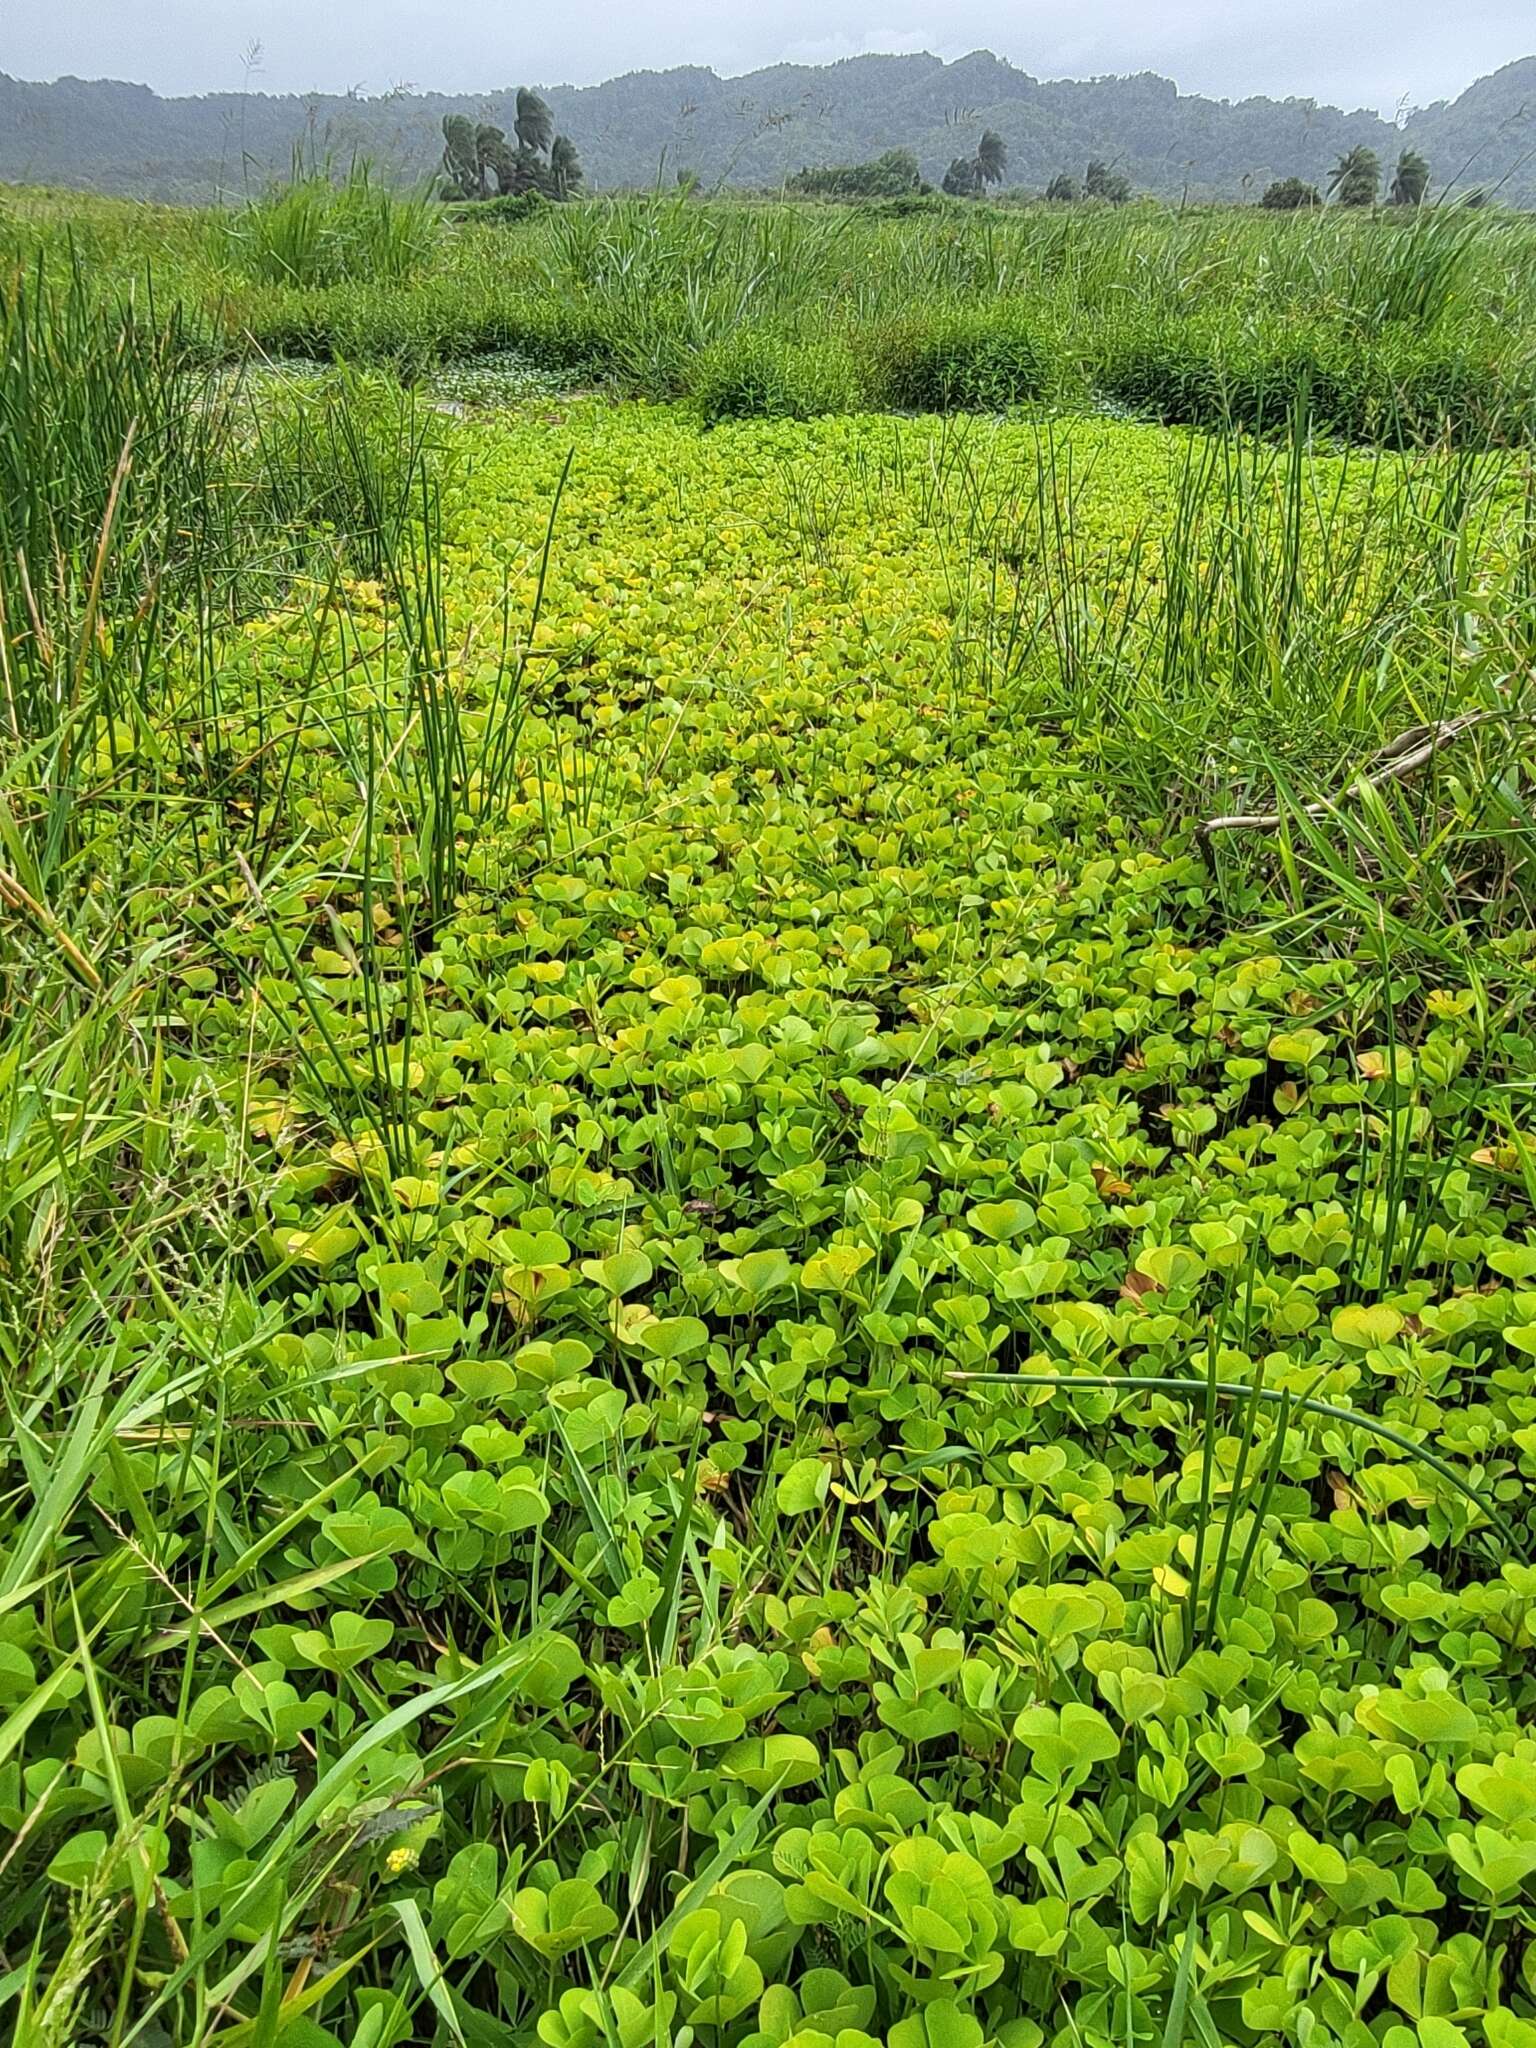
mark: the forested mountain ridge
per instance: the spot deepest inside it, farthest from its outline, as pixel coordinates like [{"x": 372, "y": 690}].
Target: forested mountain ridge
[{"x": 757, "y": 130}]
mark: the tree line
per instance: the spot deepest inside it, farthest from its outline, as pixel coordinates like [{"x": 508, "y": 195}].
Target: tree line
[
  {"x": 1355, "y": 180},
  {"x": 897, "y": 174},
  {"x": 480, "y": 163},
  {"x": 123, "y": 138}
]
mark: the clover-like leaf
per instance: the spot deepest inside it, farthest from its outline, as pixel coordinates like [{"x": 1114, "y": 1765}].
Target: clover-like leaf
[{"x": 570, "y": 1915}]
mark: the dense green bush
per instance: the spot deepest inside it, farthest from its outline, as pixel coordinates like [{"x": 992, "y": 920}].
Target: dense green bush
[
  {"x": 908, "y": 206},
  {"x": 507, "y": 209},
  {"x": 444, "y": 319},
  {"x": 1290, "y": 195},
  {"x": 1200, "y": 372},
  {"x": 570, "y": 335},
  {"x": 1400, "y": 386},
  {"x": 962, "y": 361},
  {"x": 762, "y": 375},
  {"x": 1422, "y": 385},
  {"x": 883, "y": 177}
]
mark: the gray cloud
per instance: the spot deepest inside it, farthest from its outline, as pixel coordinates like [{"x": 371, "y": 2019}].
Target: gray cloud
[{"x": 1351, "y": 52}]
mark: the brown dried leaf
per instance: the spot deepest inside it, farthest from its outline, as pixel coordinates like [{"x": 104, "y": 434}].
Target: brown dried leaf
[
  {"x": 1344, "y": 1495},
  {"x": 1498, "y": 1158}
]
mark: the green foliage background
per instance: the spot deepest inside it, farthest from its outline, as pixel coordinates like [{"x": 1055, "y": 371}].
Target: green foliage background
[
  {"x": 762, "y": 128},
  {"x": 766, "y": 1263}
]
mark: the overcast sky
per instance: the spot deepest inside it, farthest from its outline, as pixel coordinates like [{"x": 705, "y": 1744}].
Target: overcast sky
[{"x": 1351, "y": 52}]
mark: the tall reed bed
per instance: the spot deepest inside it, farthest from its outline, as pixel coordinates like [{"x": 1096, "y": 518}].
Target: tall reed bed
[
  {"x": 317, "y": 230},
  {"x": 1394, "y": 328}
]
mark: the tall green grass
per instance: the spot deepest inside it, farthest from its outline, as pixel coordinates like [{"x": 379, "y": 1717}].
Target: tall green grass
[
  {"x": 315, "y": 231},
  {"x": 1396, "y": 328},
  {"x": 1284, "y": 619}
]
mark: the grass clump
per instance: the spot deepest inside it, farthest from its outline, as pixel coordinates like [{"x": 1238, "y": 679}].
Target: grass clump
[
  {"x": 1400, "y": 387},
  {"x": 342, "y": 455},
  {"x": 112, "y": 428},
  {"x": 758, "y": 375},
  {"x": 315, "y": 231},
  {"x": 962, "y": 360},
  {"x": 438, "y": 322}
]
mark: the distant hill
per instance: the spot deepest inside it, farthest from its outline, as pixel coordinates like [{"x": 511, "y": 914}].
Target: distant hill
[{"x": 756, "y": 130}]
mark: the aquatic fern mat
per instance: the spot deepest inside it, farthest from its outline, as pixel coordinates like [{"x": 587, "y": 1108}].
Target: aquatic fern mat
[{"x": 712, "y": 1334}]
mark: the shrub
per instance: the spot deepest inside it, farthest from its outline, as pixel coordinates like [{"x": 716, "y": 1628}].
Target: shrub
[
  {"x": 757, "y": 375},
  {"x": 565, "y": 335},
  {"x": 444, "y": 319},
  {"x": 883, "y": 177},
  {"x": 1290, "y": 195},
  {"x": 909, "y": 206},
  {"x": 1423, "y": 386},
  {"x": 961, "y": 361},
  {"x": 1210, "y": 373},
  {"x": 1398, "y": 387},
  {"x": 507, "y": 209}
]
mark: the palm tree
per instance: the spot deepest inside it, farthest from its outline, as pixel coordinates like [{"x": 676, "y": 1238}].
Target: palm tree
[
  {"x": 1355, "y": 179},
  {"x": 495, "y": 158},
  {"x": 991, "y": 158},
  {"x": 462, "y": 166},
  {"x": 1100, "y": 182},
  {"x": 565, "y": 166},
  {"x": 969, "y": 176},
  {"x": 1411, "y": 180},
  {"x": 535, "y": 124},
  {"x": 479, "y": 160}
]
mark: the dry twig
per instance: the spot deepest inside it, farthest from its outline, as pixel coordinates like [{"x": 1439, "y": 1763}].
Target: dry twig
[{"x": 1399, "y": 758}]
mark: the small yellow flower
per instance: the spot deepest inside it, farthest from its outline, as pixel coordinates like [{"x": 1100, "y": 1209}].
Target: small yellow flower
[{"x": 399, "y": 1860}]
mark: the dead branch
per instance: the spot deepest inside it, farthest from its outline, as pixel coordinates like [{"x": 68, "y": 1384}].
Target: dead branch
[{"x": 1399, "y": 758}]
